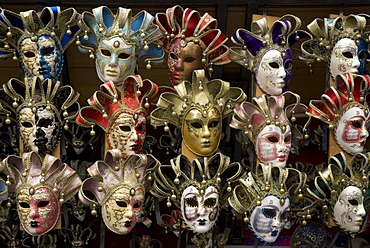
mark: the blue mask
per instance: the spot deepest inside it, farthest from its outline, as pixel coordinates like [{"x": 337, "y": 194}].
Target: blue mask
[{"x": 362, "y": 56}]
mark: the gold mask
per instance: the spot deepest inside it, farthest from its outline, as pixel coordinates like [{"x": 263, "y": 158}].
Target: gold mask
[{"x": 202, "y": 131}]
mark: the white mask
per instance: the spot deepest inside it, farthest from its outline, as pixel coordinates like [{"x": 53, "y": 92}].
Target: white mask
[
  {"x": 349, "y": 209},
  {"x": 273, "y": 146},
  {"x": 270, "y": 73},
  {"x": 344, "y": 58},
  {"x": 199, "y": 209},
  {"x": 351, "y": 133},
  {"x": 268, "y": 219},
  {"x": 115, "y": 60}
]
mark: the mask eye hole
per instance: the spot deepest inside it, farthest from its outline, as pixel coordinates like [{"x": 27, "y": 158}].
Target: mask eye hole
[
  {"x": 285, "y": 216},
  {"x": 189, "y": 60},
  {"x": 137, "y": 205},
  {"x": 47, "y": 50},
  {"x": 288, "y": 139},
  {"x": 209, "y": 202},
  {"x": 125, "y": 128},
  {"x": 191, "y": 202},
  {"x": 26, "y": 124},
  {"x": 124, "y": 55},
  {"x": 29, "y": 54},
  {"x": 273, "y": 139},
  {"x": 122, "y": 204},
  {"x": 348, "y": 55},
  {"x": 353, "y": 202},
  {"x": 361, "y": 55},
  {"x": 24, "y": 205},
  {"x": 196, "y": 125},
  {"x": 213, "y": 124},
  {"x": 173, "y": 56},
  {"x": 42, "y": 204},
  {"x": 45, "y": 122},
  {"x": 140, "y": 128},
  {"x": 274, "y": 65},
  {"x": 269, "y": 212},
  {"x": 105, "y": 52},
  {"x": 356, "y": 124}
]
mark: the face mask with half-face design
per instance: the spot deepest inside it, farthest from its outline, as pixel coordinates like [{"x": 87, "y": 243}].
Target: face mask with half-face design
[
  {"x": 182, "y": 61},
  {"x": 42, "y": 58},
  {"x": 38, "y": 209},
  {"x": 39, "y": 129},
  {"x": 127, "y": 133},
  {"x": 351, "y": 132},
  {"x": 123, "y": 209},
  {"x": 273, "y": 146},
  {"x": 268, "y": 219},
  {"x": 199, "y": 208}
]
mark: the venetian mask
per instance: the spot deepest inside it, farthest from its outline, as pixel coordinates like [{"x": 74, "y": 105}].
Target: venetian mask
[
  {"x": 40, "y": 129},
  {"x": 344, "y": 58},
  {"x": 123, "y": 209},
  {"x": 351, "y": 133},
  {"x": 43, "y": 57},
  {"x": 273, "y": 145},
  {"x": 38, "y": 209},
  {"x": 267, "y": 220},
  {"x": 115, "y": 59},
  {"x": 127, "y": 133},
  {"x": 270, "y": 73},
  {"x": 183, "y": 60},
  {"x": 199, "y": 208},
  {"x": 288, "y": 66},
  {"x": 201, "y": 131},
  {"x": 349, "y": 209}
]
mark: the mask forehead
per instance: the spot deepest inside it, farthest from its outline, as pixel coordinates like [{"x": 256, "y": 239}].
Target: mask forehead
[
  {"x": 349, "y": 209},
  {"x": 351, "y": 132},
  {"x": 127, "y": 133},
  {"x": 273, "y": 145},
  {"x": 115, "y": 59},
  {"x": 38, "y": 209},
  {"x": 201, "y": 131},
  {"x": 183, "y": 59},
  {"x": 43, "y": 57},
  {"x": 199, "y": 208},
  {"x": 344, "y": 58},
  {"x": 268, "y": 219},
  {"x": 270, "y": 73}
]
